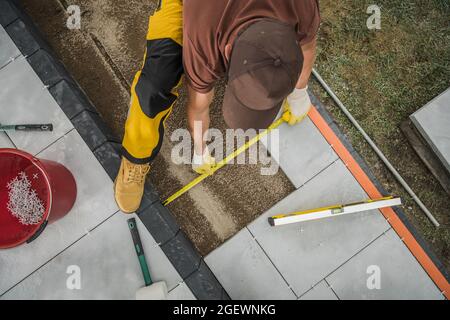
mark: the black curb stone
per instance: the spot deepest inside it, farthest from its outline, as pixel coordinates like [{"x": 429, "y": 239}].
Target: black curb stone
[
  {"x": 50, "y": 70},
  {"x": 7, "y": 13},
  {"x": 25, "y": 38},
  {"x": 106, "y": 147},
  {"x": 182, "y": 254},
  {"x": 319, "y": 106},
  {"x": 160, "y": 222},
  {"x": 206, "y": 284},
  {"x": 150, "y": 196},
  {"x": 71, "y": 99},
  {"x": 93, "y": 130},
  {"x": 108, "y": 154}
]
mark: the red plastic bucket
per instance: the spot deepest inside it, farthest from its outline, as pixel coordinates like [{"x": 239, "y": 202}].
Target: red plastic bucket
[{"x": 54, "y": 185}]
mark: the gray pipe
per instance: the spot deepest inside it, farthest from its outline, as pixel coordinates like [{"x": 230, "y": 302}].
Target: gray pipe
[{"x": 376, "y": 149}]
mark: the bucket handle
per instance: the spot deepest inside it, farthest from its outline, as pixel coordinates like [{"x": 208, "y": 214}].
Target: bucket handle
[{"x": 38, "y": 232}]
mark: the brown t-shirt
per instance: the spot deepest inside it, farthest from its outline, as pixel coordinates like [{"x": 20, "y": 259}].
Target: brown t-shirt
[{"x": 209, "y": 25}]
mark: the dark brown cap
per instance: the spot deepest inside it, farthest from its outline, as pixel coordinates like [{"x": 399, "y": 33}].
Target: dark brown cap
[{"x": 265, "y": 65}]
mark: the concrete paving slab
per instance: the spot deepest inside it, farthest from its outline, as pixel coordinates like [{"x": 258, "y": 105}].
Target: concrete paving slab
[
  {"x": 5, "y": 142},
  {"x": 320, "y": 292},
  {"x": 245, "y": 272},
  {"x": 107, "y": 265},
  {"x": 8, "y": 50},
  {"x": 95, "y": 203},
  {"x": 181, "y": 292},
  {"x": 303, "y": 151},
  {"x": 401, "y": 276},
  {"x": 433, "y": 122},
  {"x": 24, "y": 99},
  {"x": 314, "y": 249}
]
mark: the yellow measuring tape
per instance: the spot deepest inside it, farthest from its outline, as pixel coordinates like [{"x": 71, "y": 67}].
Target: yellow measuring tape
[{"x": 222, "y": 163}]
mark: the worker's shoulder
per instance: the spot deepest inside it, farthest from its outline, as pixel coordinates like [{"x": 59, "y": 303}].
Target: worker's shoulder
[
  {"x": 200, "y": 20},
  {"x": 214, "y": 11},
  {"x": 197, "y": 12}
]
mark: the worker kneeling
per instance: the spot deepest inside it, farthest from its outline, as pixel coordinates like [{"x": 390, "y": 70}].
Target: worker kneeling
[{"x": 266, "y": 49}]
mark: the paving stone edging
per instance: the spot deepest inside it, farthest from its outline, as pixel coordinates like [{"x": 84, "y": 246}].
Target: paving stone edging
[{"x": 107, "y": 148}]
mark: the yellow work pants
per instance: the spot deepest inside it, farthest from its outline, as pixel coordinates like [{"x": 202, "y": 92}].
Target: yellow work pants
[{"x": 153, "y": 91}]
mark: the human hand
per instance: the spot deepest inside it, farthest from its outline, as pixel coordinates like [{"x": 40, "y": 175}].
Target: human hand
[
  {"x": 203, "y": 164},
  {"x": 297, "y": 105}
]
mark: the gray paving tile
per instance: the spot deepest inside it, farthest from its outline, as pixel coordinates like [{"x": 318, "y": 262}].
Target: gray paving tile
[
  {"x": 181, "y": 292},
  {"x": 303, "y": 151},
  {"x": 24, "y": 99},
  {"x": 5, "y": 142},
  {"x": 8, "y": 50},
  {"x": 245, "y": 272},
  {"x": 306, "y": 253},
  {"x": 95, "y": 202},
  {"x": 401, "y": 275},
  {"x": 108, "y": 265},
  {"x": 320, "y": 292},
  {"x": 433, "y": 121}
]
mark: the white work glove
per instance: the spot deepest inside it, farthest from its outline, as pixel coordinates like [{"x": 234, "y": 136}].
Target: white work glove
[
  {"x": 203, "y": 164},
  {"x": 297, "y": 105}
]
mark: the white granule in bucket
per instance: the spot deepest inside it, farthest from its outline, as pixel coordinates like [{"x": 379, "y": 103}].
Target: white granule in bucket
[{"x": 24, "y": 203}]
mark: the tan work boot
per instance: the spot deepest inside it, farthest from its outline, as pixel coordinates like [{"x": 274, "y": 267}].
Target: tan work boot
[{"x": 129, "y": 185}]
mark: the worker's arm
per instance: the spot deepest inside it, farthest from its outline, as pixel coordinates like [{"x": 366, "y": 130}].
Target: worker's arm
[
  {"x": 198, "y": 110},
  {"x": 298, "y": 102},
  {"x": 309, "y": 58}
]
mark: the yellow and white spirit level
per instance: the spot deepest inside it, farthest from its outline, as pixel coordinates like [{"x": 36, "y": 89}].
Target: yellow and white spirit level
[{"x": 334, "y": 211}]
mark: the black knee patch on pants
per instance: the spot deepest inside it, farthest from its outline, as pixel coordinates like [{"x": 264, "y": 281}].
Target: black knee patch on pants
[{"x": 162, "y": 72}]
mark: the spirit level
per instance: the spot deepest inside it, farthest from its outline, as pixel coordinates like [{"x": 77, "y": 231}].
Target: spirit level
[{"x": 334, "y": 211}]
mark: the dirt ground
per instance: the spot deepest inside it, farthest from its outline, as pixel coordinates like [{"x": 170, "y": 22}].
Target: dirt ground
[
  {"x": 383, "y": 76},
  {"x": 103, "y": 57}
]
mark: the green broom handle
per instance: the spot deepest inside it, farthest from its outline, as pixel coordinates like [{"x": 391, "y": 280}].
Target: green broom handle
[{"x": 139, "y": 251}]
